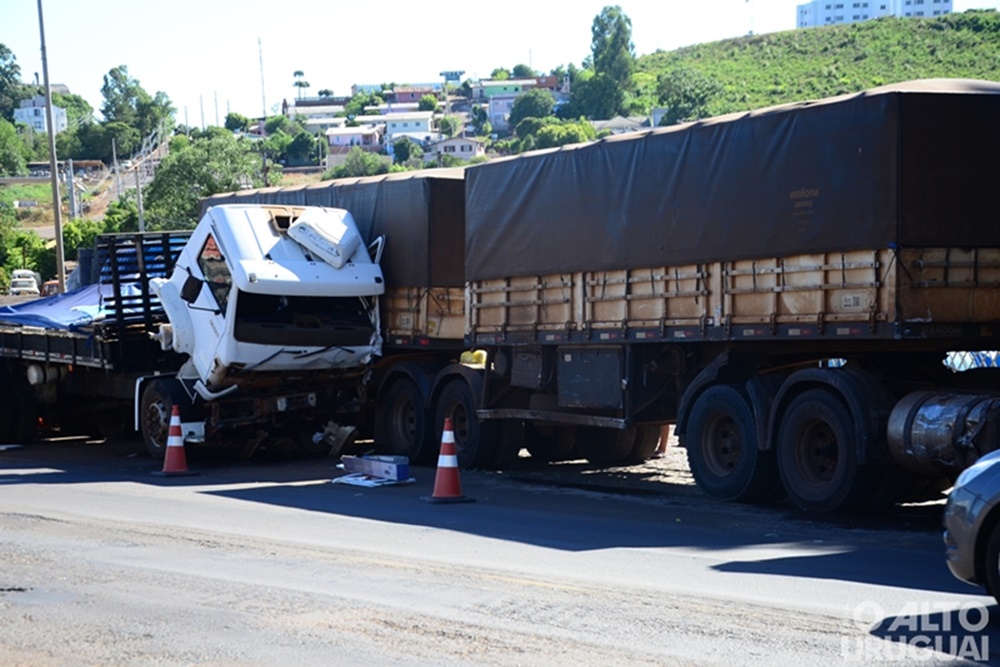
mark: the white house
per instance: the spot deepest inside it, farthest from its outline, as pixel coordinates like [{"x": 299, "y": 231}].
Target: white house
[
  {"x": 368, "y": 137},
  {"x": 464, "y": 148},
  {"x": 417, "y": 122},
  {"x": 32, "y": 114}
]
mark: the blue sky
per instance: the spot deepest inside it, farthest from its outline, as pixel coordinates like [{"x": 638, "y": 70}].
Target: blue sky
[{"x": 207, "y": 56}]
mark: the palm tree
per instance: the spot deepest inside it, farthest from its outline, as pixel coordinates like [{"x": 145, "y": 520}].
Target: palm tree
[{"x": 300, "y": 83}]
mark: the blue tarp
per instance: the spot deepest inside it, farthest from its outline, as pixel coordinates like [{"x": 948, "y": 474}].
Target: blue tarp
[{"x": 69, "y": 311}]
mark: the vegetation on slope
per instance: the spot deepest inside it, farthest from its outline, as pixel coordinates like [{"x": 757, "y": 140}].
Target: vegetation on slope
[{"x": 763, "y": 70}]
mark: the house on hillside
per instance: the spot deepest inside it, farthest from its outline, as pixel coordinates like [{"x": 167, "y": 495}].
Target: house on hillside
[
  {"x": 464, "y": 148},
  {"x": 341, "y": 140},
  {"x": 415, "y": 122},
  {"x": 32, "y": 113}
]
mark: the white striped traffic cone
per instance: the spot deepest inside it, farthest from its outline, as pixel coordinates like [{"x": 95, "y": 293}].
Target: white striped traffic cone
[
  {"x": 175, "y": 462},
  {"x": 447, "y": 486}
]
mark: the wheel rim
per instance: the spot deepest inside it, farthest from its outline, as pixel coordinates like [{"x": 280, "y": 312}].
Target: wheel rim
[
  {"x": 459, "y": 421},
  {"x": 816, "y": 452},
  {"x": 404, "y": 421},
  {"x": 722, "y": 445},
  {"x": 156, "y": 424}
]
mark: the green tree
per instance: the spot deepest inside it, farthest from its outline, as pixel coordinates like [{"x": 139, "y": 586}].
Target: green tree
[
  {"x": 523, "y": 72},
  {"x": 481, "y": 121},
  {"x": 536, "y": 103},
  {"x": 612, "y": 50},
  {"x": 125, "y": 101},
  {"x": 687, "y": 94},
  {"x": 359, "y": 163},
  {"x": 427, "y": 103},
  {"x": 596, "y": 97},
  {"x": 12, "y": 151},
  {"x": 553, "y": 135},
  {"x": 301, "y": 147},
  {"x": 22, "y": 249},
  {"x": 10, "y": 83},
  {"x": 500, "y": 74},
  {"x": 450, "y": 125},
  {"x": 300, "y": 83},
  {"x": 236, "y": 122},
  {"x": 611, "y": 44},
  {"x": 356, "y": 105},
  {"x": 122, "y": 215},
  {"x": 530, "y": 126},
  {"x": 221, "y": 163},
  {"x": 78, "y": 110},
  {"x": 404, "y": 150}
]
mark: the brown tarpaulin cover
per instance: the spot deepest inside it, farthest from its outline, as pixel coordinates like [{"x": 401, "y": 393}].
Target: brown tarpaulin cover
[{"x": 912, "y": 164}]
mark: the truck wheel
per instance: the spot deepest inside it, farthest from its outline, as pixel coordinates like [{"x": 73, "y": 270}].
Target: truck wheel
[
  {"x": 722, "y": 450},
  {"x": 550, "y": 443},
  {"x": 607, "y": 446},
  {"x": 646, "y": 439},
  {"x": 405, "y": 423},
  {"x": 158, "y": 401},
  {"x": 509, "y": 442},
  {"x": 816, "y": 455},
  {"x": 475, "y": 441}
]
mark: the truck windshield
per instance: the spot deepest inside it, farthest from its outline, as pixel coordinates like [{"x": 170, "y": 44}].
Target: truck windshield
[{"x": 270, "y": 319}]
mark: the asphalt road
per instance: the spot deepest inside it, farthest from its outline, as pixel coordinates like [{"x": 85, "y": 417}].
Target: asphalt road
[{"x": 268, "y": 562}]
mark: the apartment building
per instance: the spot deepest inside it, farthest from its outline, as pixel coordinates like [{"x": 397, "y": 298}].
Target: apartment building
[{"x": 832, "y": 12}]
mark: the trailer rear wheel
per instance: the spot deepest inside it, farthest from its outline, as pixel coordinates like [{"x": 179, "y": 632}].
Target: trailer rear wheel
[
  {"x": 475, "y": 441},
  {"x": 607, "y": 446},
  {"x": 405, "y": 423},
  {"x": 722, "y": 451},
  {"x": 158, "y": 401},
  {"x": 550, "y": 443},
  {"x": 816, "y": 455},
  {"x": 509, "y": 442},
  {"x": 646, "y": 439}
]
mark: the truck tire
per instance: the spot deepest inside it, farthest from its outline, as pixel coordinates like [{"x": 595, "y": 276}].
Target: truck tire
[
  {"x": 607, "y": 446},
  {"x": 158, "y": 401},
  {"x": 405, "y": 424},
  {"x": 475, "y": 441},
  {"x": 550, "y": 443},
  {"x": 646, "y": 439},
  {"x": 722, "y": 449},
  {"x": 817, "y": 458},
  {"x": 509, "y": 442},
  {"x": 18, "y": 414}
]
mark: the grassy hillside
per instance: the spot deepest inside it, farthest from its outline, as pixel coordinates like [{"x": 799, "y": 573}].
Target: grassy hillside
[{"x": 762, "y": 70}]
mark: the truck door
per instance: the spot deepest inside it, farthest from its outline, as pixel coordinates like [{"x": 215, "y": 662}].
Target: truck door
[{"x": 209, "y": 311}]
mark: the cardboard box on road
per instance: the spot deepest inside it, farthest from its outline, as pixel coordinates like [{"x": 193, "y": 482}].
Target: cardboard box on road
[{"x": 396, "y": 468}]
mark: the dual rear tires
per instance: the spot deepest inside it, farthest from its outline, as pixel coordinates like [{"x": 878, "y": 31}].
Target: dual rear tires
[{"x": 813, "y": 461}]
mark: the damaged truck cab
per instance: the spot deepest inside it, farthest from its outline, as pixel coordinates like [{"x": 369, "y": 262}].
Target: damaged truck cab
[{"x": 276, "y": 310}]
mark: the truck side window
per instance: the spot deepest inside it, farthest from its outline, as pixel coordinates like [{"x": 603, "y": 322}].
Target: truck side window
[{"x": 217, "y": 275}]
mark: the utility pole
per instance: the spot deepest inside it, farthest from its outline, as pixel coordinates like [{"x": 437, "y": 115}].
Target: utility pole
[
  {"x": 263, "y": 118},
  {"x": 138, "y": 200},
  {"x": 53, "y": 162}
]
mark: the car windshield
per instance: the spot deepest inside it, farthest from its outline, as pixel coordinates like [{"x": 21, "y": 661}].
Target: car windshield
[{"x": 22, "y": 283}]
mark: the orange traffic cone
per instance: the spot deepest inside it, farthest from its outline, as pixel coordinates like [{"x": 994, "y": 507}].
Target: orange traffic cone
[
  {"x": 175, "y": 462},
  {"x": 447, "y": 486}
]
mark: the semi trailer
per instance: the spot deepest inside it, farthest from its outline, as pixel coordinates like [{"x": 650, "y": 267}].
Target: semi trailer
[{"x": 784, "y": 285}]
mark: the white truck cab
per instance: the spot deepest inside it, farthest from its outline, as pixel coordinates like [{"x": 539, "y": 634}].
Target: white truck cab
[{"x": 271, "y": 288}]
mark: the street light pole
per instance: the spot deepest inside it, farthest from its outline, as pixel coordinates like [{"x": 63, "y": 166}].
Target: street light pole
[{"x": 53, "y": 162}]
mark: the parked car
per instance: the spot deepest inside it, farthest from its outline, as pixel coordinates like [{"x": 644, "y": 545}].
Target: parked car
[
  {"x": 972, "y": 525},
  {"x": 23, "y": 287}
]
